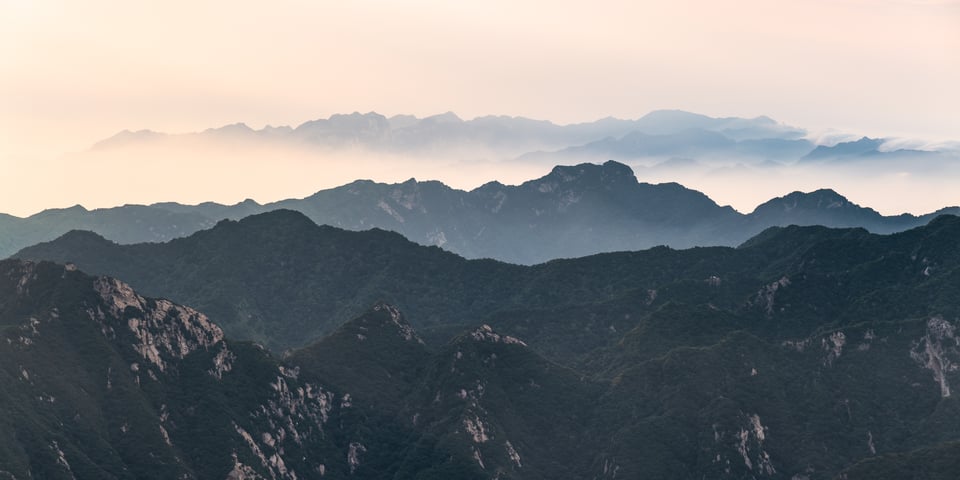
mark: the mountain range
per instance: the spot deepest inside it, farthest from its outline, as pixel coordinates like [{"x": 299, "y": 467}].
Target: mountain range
[
  {"x": 806, "y": 352},
  {"x": 659, "y": 136},
  {"x": 500, "y": 135},
  {"x": 572, "y": 211},
  {"x": 583, "y": 324}
]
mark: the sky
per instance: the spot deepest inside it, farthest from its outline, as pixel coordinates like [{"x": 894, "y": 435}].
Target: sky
[{"x": 75, "y": 72}]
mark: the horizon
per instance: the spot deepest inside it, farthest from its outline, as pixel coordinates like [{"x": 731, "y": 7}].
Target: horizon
[
  {"x": 826, "y": 136},
  {"x": 73, "y": 74},
  {"x": 466, "y": 189}
]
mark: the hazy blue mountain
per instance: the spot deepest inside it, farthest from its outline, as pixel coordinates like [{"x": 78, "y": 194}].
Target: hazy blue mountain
[
  {"x": 341, "y": 130},
  {"x": 510, "y": 136},
  {"x": 662, "y": 122},
  {"x": 690, "y": 143},
  {"x": 127, "y": 224},
  {"x": 128, "y": 138},
  {"x": 863, "y": 146},
  {"x": 659, "y": 133},
  {"x": 870, "y": 150},
  {"x": 806, "y": 352},
  {"x": 572, "y": 211},
  {"x": 828, "y": 208}
]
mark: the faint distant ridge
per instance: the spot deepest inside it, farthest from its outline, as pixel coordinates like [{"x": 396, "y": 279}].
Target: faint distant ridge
[
  {"x": 662, "y": 138},
  {"x": 505, "y": 135},
  {"x": 127, "y": 138},
  {"x": 573, "y": 211},
  {"x": 865, "y": 148}
]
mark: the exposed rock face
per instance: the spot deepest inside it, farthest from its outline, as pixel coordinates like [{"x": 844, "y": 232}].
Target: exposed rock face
[
  {"x": 938, "y": 352},
  {"x": 485, "y": 333},
  {"x": 766, "y": 297},
  {"x": 162, "y": 330},
  {"x": 815, "y": 352},
  {"x": 167, "y": 379}
]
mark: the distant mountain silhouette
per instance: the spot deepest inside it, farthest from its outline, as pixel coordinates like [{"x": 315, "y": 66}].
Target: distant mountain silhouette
[
  {"x": 508, "y": 136},
  {"x": 658, "y": 134}
]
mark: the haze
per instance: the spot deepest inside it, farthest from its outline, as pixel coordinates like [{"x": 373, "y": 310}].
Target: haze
[{"x": 73, "y": 73}]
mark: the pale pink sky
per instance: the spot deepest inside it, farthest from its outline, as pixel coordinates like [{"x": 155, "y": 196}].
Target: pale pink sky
[{"x": 74, "y": 72}]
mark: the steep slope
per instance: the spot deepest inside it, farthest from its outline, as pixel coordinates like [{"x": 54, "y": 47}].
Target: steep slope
[
  {"x": 377, "y": 356},
  {"x": 513, "y": 413},
  {"x": 806, "y": 352},
  {"x": 101, "y": 382},
  {"x": 483, "y": 406},
  {"x": 807, "y": 376}
]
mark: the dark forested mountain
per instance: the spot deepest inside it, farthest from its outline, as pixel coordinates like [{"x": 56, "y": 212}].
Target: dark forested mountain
[
  {"x": 102, "y": 383},
  {"x": 280, "y": 279},
  {"x": 572, "y": 211},
  {"x": 807, "y": 352}
]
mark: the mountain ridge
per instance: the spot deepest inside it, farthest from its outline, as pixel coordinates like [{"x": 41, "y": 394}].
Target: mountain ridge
[
  {"x": 571, "y": 211},
  {"x": 806, "y": 351},
  {"x": 321, "y": 275}
]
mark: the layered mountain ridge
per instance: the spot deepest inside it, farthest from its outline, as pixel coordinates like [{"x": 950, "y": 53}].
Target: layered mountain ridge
[
  {"x": 572, "y": 211},
  {"x": 807, "y": 352},
  {"x": 101, "y": 382},
  {"x": 502, "y": 134}
]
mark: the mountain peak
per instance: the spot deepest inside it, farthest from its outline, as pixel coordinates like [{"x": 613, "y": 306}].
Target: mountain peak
[
  {"x": 617, "y": 168},
  {"x": 822, "y": 199},
  {"x": 824, "y": 207},
  {"x": 668, "y": 115},
  {"x": 396, "y": 319},
  {"x": 446, "y": 117},
  {"x": 238, "y": 128},
  {"x": 350, "y": 124},
  {"x": 863, "y": 146},
  {"x": 609, "y": 171},
  {"x": 485, "y": 334},
  {"x": 277, "y": 217},
  {"x": 83, "y": 236},
  {"x": 128, "y": 137},
  {"x": 382, "y": 326},
  {"x": 74, "y": 210},
  {"x": 826, "y": 197}
]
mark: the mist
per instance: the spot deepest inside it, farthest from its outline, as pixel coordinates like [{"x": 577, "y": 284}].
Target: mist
[
  {"x": 890, "y": 190},
  {"x": 192, "y": 169},
  {"x": 192, "y": 172}
]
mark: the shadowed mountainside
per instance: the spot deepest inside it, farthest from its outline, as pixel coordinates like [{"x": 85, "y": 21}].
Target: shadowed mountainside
[{"x": 806, "y": 352}]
